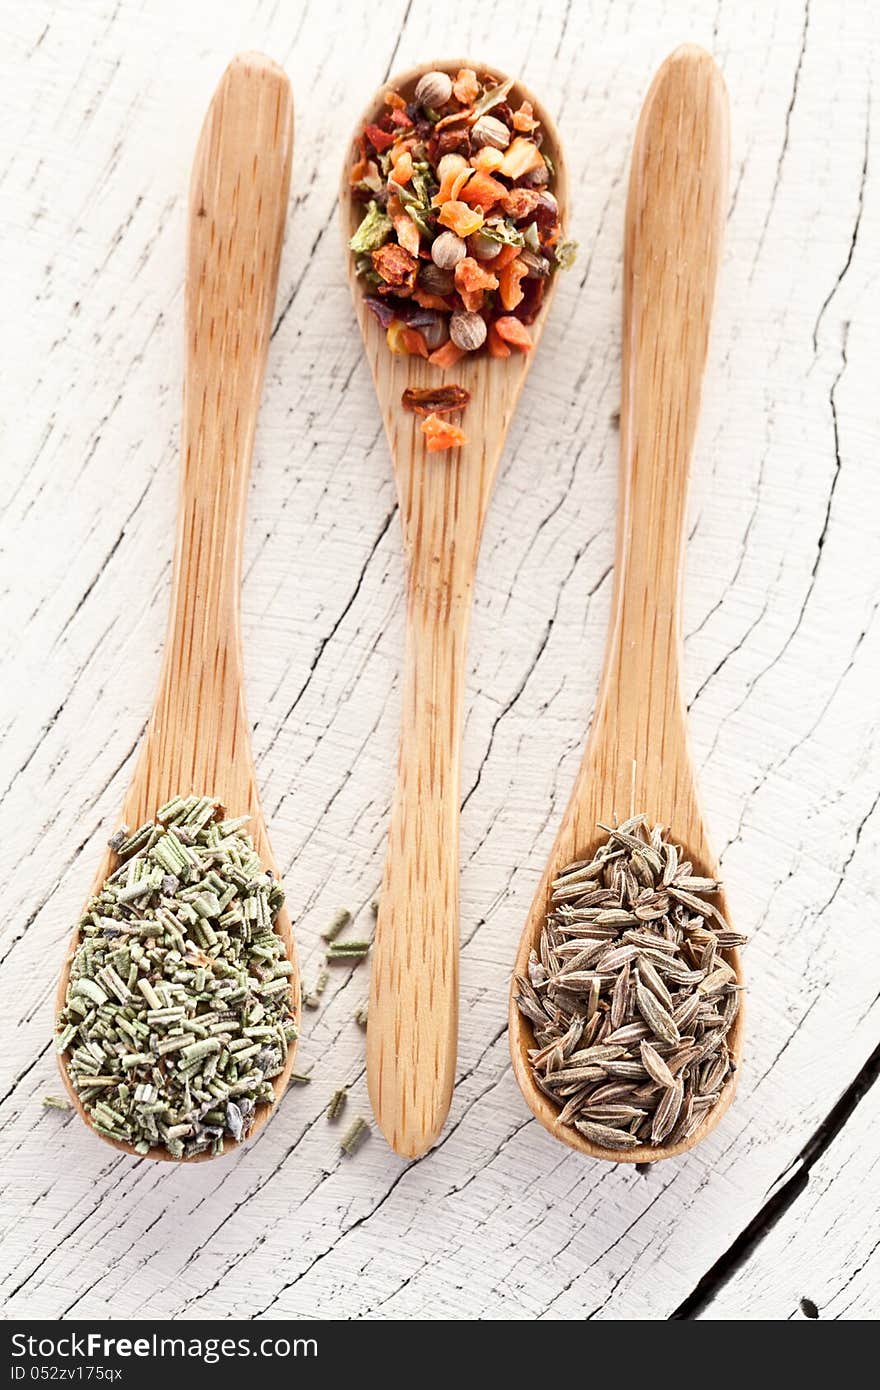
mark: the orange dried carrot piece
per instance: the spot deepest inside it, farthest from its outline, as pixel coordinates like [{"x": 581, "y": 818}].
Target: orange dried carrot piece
[
  {"x": 402, "y": 168},
  {"x": 496, "y": 344},
  {"x": 461, "y": 219},
  {"x": 466, "y": 88},
  {"x": 505, "y": 256},
  {"x": 442, "y": 434},
  {"x": 430, "y": 301},
  {"x": 488, "y": 159},
  {"x": 520, "y": 157},
  {"x": 524, "y": 118},
  {"x": 414, "y": 342},
  {"x": 483, "y": 191},
  {"x": 470, "y": 276},
  {"x": 395, "y": 101},
  {"x": 509, "y": 288},
  {"x": 452, "y": 182},
  {"x": 471, "y": 280},
  {"x": 514, "y": 332},
  {"x": 445, "y": 356}
]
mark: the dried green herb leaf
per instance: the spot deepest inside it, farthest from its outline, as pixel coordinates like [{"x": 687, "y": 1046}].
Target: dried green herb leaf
[{"x": 374, "y": 230}]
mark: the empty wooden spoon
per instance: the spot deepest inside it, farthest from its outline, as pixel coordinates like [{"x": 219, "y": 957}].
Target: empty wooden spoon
[
  {"x": 413, "y": 1011},
  {"x": 637, "y": 758},
  {"x": 197, "y": 739}
]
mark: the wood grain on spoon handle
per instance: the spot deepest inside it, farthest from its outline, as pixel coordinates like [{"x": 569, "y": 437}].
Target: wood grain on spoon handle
[
  {"x": 413, "y": 1020},
  {"x": 237, "y": 210},
  {"x": 674, "y": 228},
  {"x": 411, "y": 1035}
]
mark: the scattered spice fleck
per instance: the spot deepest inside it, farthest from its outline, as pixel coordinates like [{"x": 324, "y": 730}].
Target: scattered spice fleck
[
  {"x": 56, "y": 1103},
  {"x": 299, "y": 1078},
  {"x": 360, "y": 1015},
  {"x": 348, "y": 950},
  {"x": 340, "y": 920},
  {"x": 354, "y": 1136},
  {"x": 337, "y": 1103},
  {"x": 808, "y": 1308}
]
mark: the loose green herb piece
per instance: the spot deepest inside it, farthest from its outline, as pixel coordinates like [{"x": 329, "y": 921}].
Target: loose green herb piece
[
  {"x": 348, "y": 950},
  {"x": 374, "y": 907},
  {"x": 341, "y": 919},
  {"x": 313, "y": 998},
  {"x": 631, "y": 995},
  {"x": 299, "y": 1078},
  {"x": 178, "y": 1010},
  {"x": 360, "y": 1015},
  {"x": 337, "y": 1103},
  {"x": 354, "y": 1136},
  {"x": 56, "y": 1103}
]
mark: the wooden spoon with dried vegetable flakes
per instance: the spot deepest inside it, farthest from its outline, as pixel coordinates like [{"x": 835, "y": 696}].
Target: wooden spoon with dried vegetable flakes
[
  {"x": 637, "y": 760},
  {"x": 413, "y": 1014}
]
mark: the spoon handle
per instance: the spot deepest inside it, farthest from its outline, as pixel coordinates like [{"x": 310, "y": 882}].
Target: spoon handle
[
  {"x": 674, "y": 227},
  {"x": 413, "y": 1017},
  {"x": 238, "y": 204}
]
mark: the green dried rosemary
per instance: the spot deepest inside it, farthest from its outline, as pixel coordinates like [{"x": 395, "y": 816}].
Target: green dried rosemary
[{"x": 178, "y": 1010}]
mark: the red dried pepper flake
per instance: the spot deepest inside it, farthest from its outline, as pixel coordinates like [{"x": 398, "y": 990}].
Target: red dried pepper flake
[
  {"x": 400, "y": 118},
  {"x": 379, "y": 138},
  {"x": 397, "y": 268},
  {"x": 437, "y": 400}
]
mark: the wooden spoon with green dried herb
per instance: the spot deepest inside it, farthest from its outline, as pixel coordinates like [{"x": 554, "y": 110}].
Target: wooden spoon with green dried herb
[
  {"x": 625, "y": 1018},
  {"x": 181, "y": 981}
]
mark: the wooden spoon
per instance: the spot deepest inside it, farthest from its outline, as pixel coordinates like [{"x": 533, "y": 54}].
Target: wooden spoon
[
  {"x": 198, "y": 739},
  {"x": 637, "y": 758},
  {"x": 413, "y": 1011}
]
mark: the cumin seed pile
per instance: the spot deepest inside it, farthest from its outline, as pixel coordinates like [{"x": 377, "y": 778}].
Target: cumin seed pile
[
  {"x": 630, "y": 995},
  {"x": 178, "y": 1007}
]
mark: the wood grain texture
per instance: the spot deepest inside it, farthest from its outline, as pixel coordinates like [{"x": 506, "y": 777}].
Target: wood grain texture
[
  {"x": 443, "y": 501},
  {"x": 638, "y": 758},
  {"x": 198, "y": 739},
  {"x": 781, "y": 646}
]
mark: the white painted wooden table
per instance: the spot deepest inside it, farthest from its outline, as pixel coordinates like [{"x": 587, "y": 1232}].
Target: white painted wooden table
[{"x": 102, "y": 103}]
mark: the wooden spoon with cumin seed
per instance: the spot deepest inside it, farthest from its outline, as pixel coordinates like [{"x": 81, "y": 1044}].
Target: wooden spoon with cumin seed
[{"x": 638, "y": 757}]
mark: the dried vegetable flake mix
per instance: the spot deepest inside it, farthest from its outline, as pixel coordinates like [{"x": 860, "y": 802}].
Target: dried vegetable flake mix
[{"x": 460, "y": 230}]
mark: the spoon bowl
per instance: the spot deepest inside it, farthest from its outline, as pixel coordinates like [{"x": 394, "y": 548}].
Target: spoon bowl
[
  {"x": 638, "y": 756},
  {"x": 413, "y": 1012},
  {"x": 198, "y": 737}
]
